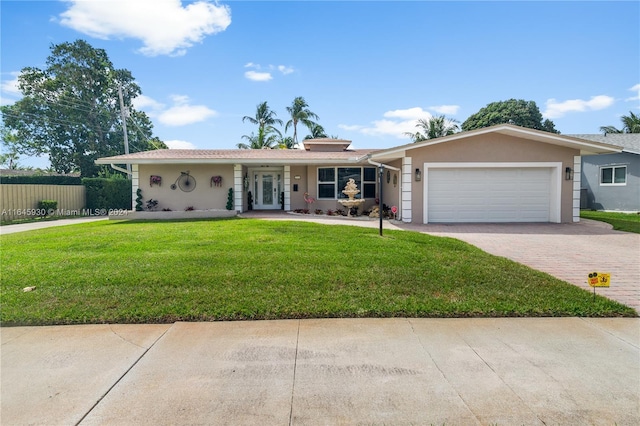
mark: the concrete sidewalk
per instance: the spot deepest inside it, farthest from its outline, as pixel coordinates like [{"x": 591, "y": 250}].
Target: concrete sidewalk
[
  {"x": 30, "y": 226},
  {"x": 561, "y": 371}
]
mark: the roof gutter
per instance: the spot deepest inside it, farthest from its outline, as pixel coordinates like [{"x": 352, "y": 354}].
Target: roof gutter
[
  {"x": 381, "y": 165},
  {"x": 120, "y": 169}
]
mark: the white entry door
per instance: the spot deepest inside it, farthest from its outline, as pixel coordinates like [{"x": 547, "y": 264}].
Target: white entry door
[{"x": 267, "y": 188}]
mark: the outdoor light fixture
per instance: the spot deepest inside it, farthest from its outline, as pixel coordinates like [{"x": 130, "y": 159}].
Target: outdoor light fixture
[
  {"x": 568, "y": 173},
  {"x": 418, "y": 175}
]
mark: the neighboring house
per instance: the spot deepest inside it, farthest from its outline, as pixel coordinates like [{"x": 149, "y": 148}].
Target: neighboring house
[
  {"x": 503, "y": 173},
  {"x": 612, "y": 181}
]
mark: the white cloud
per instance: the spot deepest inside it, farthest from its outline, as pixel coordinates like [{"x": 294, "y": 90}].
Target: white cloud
[
  {"x": 557, "y": 109},
  {"x": 635, "y": 89},
  {"x": 395, "y": 123},
  {"x": 181, "y": 113},
  {"x": 165, "y": 27},
  {"x": 445, "y": 109},
  {"x": 178, "y": 144},
  {"x": 143, "y": 102},
  {"x": 10, "y": 87},
  {"x": 258, "y": 76},
  {"x": 285, "y": 70}
]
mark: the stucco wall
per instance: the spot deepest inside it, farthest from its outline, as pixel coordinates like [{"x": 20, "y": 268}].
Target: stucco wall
[
  {"x": 492, "y": 148},
  {"x": 612, "y": 197},
  {"x": 203, "y": 197}
]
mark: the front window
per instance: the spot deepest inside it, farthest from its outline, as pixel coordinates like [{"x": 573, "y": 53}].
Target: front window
[
  {"x": 332, "y": 180},
  {"x": 613, "y": 175}
]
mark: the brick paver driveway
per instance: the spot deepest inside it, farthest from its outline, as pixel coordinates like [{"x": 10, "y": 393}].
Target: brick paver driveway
[{"x": 566, "y": 251}]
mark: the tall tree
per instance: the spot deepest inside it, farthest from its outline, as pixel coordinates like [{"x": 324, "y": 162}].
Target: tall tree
[
  {"x": 630, "y": 124},
  {"x": 70, "y": 110},
  {"x": 513, "y": 111},
  {"x": 263, "y": 118},
  {"x": 300, "y": 113},
  {"x": 266, "y": 138},
  {"x": 317, "y": 131},
  {"x": 434, "y": 127}
]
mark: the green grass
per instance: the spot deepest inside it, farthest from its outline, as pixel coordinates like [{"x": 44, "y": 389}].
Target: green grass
[
  {"x": 158, "y": 272},
  {"x": 628, "y": 222}
]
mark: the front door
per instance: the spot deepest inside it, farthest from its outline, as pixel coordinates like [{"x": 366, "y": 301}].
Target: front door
[{"x": 267, "y": 187}]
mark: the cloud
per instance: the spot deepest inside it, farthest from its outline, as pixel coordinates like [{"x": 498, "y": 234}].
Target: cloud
[
  {"x": 265, "y": 75},
  {"x": 285, "y": 70},
  {"x": 178, "y": 144},
  {"x": 143, "y": 102},
  {"x": 635, "y": 89},
  {"x": 165, "y": 27},
  {"x": 10, "y": 87},
  {"x": 445, "y": 109},
  {"x": 181, "y": 113},
  {"x": 557, "y": 109},
  {"x": 395, "y": 123},
  {"x": 258, "y": 76}
]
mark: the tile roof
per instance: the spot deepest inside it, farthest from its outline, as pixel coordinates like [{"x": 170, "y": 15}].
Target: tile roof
[
  {"x": 630, "y": 142},
  {"x": 288, "y": 156}
]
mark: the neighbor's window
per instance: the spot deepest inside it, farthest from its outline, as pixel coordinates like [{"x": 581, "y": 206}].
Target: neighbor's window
[
  {"x": 332, "y": 180},
  {"x": 614, "y": 175}
]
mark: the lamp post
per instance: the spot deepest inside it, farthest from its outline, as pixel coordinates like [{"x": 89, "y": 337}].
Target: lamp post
[{"x": 380, "y": 203}]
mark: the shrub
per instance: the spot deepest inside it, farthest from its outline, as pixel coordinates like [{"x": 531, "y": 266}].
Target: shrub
[
  {"x": 318, "y": 211},
  {"x": 230, "y": 199},
  {"x": 139, "y": 200},
  {"x": 108, "y": 193},
  {"x": 47, "y": 205},
  {"x": 41, "y": 180}
]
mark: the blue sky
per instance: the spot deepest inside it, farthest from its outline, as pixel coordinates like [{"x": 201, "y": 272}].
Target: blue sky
[{"x": 370, "y": 70}]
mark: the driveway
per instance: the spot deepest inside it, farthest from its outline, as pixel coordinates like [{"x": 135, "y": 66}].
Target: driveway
[{"x": 566, "y": 251}]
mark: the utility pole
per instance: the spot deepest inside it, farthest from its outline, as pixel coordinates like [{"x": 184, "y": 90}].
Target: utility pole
[{"x": 124, "y": 128}]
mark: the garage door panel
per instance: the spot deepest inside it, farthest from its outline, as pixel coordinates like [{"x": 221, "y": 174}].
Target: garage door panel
[{"x": 488, "y": 195}]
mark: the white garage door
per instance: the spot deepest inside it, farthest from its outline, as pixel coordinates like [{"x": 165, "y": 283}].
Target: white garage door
[{"x": 488, "y": 195}]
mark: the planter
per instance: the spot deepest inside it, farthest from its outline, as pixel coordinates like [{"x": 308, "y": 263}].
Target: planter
[{"x": 171, "y": 215}]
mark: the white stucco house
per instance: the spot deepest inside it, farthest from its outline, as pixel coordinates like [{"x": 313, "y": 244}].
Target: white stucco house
[{"x": 503, "y": 173}]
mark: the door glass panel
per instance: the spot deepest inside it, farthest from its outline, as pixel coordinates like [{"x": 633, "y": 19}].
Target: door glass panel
[{"x": 267, "y": 189}]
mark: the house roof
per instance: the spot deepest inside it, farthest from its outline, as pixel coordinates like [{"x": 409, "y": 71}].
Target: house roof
[
  {"x": 246, "y": 156},
  {"x": 630, "y": 142},
  {"x": 586, "y": 147}
]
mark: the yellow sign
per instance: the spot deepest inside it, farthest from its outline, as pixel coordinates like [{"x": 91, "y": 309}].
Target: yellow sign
[{"x": 599, "y": 279}]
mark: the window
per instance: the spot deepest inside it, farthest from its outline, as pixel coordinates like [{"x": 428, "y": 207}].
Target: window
[
  {"x": 332, "y": 180},
  {"x": 613, "y": 175}
]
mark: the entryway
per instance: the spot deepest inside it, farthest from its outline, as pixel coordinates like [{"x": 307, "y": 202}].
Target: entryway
[{"x": 267, "y": 187}]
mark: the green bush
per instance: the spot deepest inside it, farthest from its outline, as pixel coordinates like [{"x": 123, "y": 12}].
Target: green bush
[
  {"x": 108, "y": 193},
  {"x": 41, "y": 180},
  {"x": 46, "y": 205}
]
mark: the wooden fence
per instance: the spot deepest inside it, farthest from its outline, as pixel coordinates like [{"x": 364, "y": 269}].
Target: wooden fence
[{"x": 21, "y": 201}]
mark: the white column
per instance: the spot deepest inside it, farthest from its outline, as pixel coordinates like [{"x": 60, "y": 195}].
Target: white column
[
  {"x": 577, "y": 179},
  {"x": 287, "y": 188},
  {"x": 405, "y": 194},
  {"x": 237, "y": 188},
  {"x": 135, "y": 184}
]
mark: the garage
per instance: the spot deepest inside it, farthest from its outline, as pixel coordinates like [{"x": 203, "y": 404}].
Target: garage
[{"x": 491, "y": 193}]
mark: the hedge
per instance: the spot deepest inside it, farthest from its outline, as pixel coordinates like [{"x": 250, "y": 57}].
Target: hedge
[
  {"x": 108, "y": 193},
  {"x": 41, "y": 180}
]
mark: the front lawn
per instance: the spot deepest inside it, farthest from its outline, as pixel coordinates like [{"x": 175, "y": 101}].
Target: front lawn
[
  {"x": 628, "y": 222},
  {"x": 233, "y": 269}
]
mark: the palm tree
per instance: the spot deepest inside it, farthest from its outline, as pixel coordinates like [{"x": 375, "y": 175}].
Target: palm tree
[
  {"x": 265, "y": 117},
  {"x": 434, "y": 127},
  {"x": 300, "y": 113},
  {"x": 265, "y": 139},
  {"x": 317, "y": 131},
  {"x": 286, "y": 143},
  {"x": 631, "y": 124}
]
